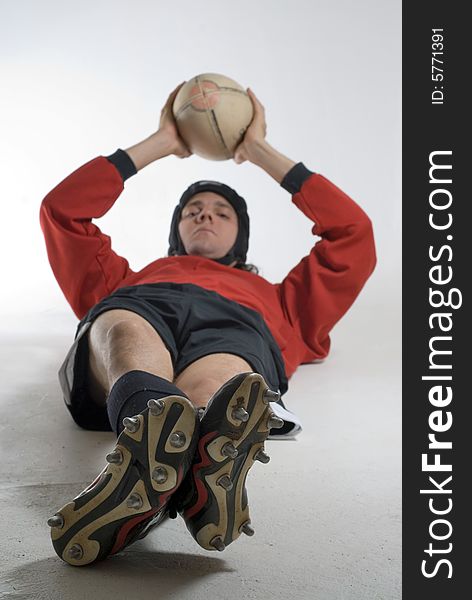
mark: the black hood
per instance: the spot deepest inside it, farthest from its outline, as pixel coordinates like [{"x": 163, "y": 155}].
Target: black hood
[{"x": 239, "y": 251}]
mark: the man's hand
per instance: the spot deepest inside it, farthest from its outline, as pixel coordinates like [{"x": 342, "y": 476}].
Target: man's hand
[
  {"x": 163, "y": 142},
  {"x": 256, "y": 149},
  {"x": 255, "y": 133},
  {"x": 168, "y": 128}
]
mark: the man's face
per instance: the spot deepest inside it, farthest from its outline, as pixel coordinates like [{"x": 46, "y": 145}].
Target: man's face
[{"x": 208, "y": 225}]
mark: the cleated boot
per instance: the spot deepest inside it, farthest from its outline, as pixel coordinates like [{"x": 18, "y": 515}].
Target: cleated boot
[
  {"x": 131, "y": 495},
  {"x": 212, "y": 499}
]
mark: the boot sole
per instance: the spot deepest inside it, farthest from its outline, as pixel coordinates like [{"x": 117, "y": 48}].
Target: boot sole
[
  {"x": 218, "y": 516},
  {"x": 100, "y": 521}
]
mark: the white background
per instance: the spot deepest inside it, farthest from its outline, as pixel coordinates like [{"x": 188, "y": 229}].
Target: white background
[{"x": 82, "y": 79}]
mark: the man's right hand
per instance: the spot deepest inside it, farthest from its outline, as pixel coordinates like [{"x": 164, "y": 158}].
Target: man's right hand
[
  {"x": 168, "y": 127},
  {"x": 164, "y": 142}
]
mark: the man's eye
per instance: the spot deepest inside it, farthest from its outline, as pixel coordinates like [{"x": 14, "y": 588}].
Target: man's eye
[{"x": 225, "y": 216}]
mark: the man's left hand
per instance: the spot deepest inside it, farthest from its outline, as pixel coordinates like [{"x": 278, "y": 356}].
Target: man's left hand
[{"x": 255, "y": 133}]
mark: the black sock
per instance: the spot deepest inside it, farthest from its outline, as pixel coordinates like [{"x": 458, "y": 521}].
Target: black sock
[{"x": 131, "y": 392}]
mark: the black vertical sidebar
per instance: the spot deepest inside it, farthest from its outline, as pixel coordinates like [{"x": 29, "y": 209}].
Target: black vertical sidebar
[{"x": 437, "y": 328}]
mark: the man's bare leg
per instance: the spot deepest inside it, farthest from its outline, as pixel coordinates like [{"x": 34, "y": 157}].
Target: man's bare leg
[
  {"x": 201, "y": 379},
  {"x": 131, "y": 495},
  {"x": 121, "y": 341},
  {"x": 152, "y": 453}
]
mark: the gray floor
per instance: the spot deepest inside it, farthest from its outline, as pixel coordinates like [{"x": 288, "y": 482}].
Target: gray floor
[{"x": 326, "y": 509}]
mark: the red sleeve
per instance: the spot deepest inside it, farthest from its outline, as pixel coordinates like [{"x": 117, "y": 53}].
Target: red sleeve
[
  {"x": 320, "y": 289},
  {"x": 81, "y": 257}
]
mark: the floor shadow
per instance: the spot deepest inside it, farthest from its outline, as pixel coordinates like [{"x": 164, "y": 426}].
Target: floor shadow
[{"x": 131, "y": 574}]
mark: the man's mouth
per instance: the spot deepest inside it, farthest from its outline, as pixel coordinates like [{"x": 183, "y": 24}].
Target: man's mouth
[{"x": 204, "y": 229}]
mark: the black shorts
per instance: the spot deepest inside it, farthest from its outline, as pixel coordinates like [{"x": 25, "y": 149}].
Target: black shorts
[{"x": 192, "y": 322}]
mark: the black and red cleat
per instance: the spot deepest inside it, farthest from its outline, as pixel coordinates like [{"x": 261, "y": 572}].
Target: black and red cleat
[
  {"x": 131, "y": 495},
  {"x": 212, "y": 498}
]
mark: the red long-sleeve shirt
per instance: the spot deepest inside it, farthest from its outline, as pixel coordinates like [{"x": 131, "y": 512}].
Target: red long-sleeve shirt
[{"x": 300, "y": 311}]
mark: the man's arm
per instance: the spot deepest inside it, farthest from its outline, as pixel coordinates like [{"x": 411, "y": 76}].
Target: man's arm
[
  {"x": 321, "y": 288},
  {"x": 81, "y": 256},
  {"x": 257, "y": 150},
  {"x": 164, "y": 142},
  {"x": 83, "y": 262}
]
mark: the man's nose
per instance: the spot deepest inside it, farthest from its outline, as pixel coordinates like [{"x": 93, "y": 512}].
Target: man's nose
[{"x": 204, "y": 215}]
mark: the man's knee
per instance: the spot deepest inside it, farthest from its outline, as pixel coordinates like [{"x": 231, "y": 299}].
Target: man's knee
[
  {"x": 121, "y": 340},
  {"x": 126, "y": 334},
  {"x": 202, "y": 378},
  {"x": 119, "y": 329}
]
